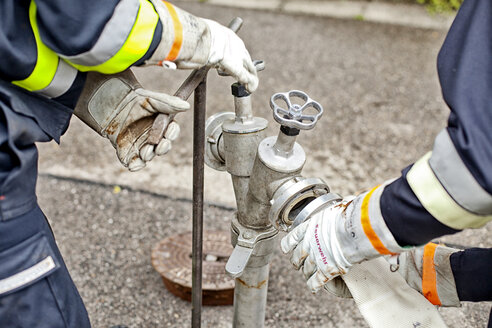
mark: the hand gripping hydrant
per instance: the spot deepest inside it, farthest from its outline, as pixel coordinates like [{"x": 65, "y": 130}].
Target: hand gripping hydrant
[{"x": 270, "y": 192}]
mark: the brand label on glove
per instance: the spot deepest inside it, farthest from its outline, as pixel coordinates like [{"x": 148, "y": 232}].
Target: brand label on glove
[{"x": 322, "y": 254}]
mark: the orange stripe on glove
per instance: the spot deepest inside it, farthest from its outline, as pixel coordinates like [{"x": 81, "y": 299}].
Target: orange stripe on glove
[
  {"x": 368, "y": 230},
  {"x": 178, "y": 34},
  {"x": 429, "y": 280}
]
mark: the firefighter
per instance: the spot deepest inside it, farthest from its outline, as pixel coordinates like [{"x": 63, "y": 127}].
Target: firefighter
[
  {"x": 447, "y": 190},
  {"x": 64, "y": 56}
]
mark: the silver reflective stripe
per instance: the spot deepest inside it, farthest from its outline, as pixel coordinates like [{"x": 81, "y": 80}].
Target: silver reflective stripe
[
  {"x": 436, "y": 200},
  {"x": 62, "y": 81},
  {"x": 25, "y": 277},
  {"x": 112, "y": 37},
  {"x": 456, "y": 178}
]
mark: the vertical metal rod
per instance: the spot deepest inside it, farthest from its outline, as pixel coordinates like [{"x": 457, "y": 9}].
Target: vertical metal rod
[{"x": 198, "y": 168}]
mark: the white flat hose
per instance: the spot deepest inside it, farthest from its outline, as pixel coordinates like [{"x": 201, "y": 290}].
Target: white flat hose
[{"x": 385, "y": 300}]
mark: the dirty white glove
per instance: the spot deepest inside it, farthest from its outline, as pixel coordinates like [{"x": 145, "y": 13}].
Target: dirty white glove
[
  {"x": 428, "y": 270},
  {"x": 118, "y": 108},
  {"x": 188, "y": 41},
  {"x": 329, "y": 243},
  {"x": 228, "y": 53}
]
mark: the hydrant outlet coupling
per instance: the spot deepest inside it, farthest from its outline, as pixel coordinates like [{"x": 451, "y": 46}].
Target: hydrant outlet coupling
[{"x": 297, "y": 200}]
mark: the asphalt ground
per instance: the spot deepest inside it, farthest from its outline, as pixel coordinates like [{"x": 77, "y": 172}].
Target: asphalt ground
[{"x": 378, "y": 85}]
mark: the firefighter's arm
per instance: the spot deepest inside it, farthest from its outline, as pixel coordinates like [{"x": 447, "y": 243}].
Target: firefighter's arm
[
  {"x": 450, "y": 188},
  {"x": 111, "y": 36},
  {"x": 447, "y": 190}
]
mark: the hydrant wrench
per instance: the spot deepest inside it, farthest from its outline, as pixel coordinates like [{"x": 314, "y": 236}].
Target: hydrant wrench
[{"x": 162, "y": 121}]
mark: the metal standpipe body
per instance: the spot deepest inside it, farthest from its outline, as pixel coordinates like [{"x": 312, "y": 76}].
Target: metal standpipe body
[
  {"x": 253, "y": 235},
  {"x": 258, "y": 166},
  {"x": 241, "y": 136}
]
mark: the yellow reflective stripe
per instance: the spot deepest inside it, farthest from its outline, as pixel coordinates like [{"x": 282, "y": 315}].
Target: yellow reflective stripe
[
  {"x": 135, "y": 46},
  {"x": 437, "y": 201},
  {"x": 46, "y": 62}
]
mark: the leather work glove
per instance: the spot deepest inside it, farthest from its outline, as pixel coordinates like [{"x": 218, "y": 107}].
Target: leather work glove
[
  {"x": 198, "y": 42},
  {"x": 328, "y": 244},
  {"x": 118, "y": 108},
  {"x": 428, "y": 270}
]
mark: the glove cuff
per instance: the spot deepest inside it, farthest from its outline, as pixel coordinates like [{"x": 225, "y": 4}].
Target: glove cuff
[
  {"x": 428, "y": 270},
  {"x": 445, "y": 283},
  {"x": 94, "y": 107},
  {"x": 363, "y": 233},
  {"x": 185, "y": 38}
]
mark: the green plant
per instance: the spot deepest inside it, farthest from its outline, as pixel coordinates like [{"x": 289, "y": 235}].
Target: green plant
[{"x": 440, "y": 6}]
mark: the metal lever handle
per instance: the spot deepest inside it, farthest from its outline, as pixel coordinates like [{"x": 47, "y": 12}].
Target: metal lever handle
[
  {"x": 238, "y": 260},
  {"x": 162, "y": 121},
  {"x": 294, "y": 116}
]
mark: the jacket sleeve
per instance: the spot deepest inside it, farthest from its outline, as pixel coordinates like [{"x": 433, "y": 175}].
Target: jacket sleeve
[
  {"x": 450, "y": 188},
  {"x": 105, "y": 36},
  {"x": 72, "y": 37}
]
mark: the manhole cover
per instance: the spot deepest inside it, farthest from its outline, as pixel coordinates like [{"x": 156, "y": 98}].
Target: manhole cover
[{"x": 171, "y": 257}]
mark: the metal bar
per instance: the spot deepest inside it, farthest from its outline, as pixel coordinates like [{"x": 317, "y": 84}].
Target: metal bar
[
  {"x": 184, "y": 92},
  {"x": 198, "y": 168}
]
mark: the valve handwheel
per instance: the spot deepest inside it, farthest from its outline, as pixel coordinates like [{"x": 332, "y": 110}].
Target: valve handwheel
[{"x": 293, "y": 116}]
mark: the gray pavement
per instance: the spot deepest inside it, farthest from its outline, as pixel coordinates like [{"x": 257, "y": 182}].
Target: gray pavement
[
  {"x": 379, "y": 87},
  {"x": 106, "y": 239}
]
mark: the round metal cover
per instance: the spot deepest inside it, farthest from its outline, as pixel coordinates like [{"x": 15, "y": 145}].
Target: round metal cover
[{"x": 171, "y": 257}]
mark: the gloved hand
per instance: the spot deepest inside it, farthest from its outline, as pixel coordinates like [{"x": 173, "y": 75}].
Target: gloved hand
[
  {"x": 197, "y": 42},
  {"x": 118, "y": 108},
  {"x": 329, "y": 243},
  {"x": 428, "y": 270},
  {"x": 228, "y": 53}
]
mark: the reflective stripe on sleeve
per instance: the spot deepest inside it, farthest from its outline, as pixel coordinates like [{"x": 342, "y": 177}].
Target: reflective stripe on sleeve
[
  {"x": 367, "y": 227},
  {"x": 27, "y": 276},
  {"x": 429, "y": 277},
  {"x": 46, "y": 61},
  {"x": 112, "y": 37},
  {"x": 62, "y": 81},
  {"x": 135, "y": 46},
  {"x": 178, "y": 33},
  {"x": 437, "y": 201},
  {"x": 455, "y": 177}
]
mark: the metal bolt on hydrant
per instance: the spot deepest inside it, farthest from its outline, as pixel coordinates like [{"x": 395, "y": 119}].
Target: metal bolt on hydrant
[{"x": 270, "y": 192}]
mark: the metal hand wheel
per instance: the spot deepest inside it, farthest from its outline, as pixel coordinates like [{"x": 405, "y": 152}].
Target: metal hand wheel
[{"x": 294, "y": 116}]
